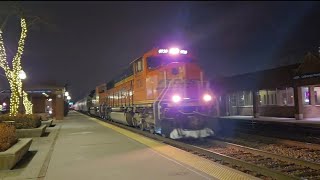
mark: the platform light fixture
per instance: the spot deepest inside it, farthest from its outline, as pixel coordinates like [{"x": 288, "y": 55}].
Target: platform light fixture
[{"x": 22, "y": 75}]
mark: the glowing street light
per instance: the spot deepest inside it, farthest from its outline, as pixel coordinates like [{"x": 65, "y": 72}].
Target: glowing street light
[
  {"x": 22, "y": 75},
  {"x": 68, "y": 97},
  {"x": 66, "y": 93}
]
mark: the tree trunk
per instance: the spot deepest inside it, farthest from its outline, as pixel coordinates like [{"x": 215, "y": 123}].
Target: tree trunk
[{"x": 14, "y": 100}]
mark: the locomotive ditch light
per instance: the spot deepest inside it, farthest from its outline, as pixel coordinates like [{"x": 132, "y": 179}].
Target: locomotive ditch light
[
  {"x": 207, "y": 97},
  {"x": 176, "y": 98}
]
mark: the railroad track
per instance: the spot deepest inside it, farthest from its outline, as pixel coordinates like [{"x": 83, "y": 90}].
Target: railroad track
[
  {"x": 295, "y": 149},
  {"x": 294, "y": 132},
  {"x": 251, "y": 161},
  {"x": 294, "y": 136},
  {"x": 269, "y": 164}
]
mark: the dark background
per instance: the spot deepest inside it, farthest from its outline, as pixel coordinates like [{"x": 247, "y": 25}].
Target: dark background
[{"x": 88, "y": 43}]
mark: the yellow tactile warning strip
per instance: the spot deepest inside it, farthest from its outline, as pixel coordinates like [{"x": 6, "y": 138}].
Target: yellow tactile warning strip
[{"x": 209, "y": 167}]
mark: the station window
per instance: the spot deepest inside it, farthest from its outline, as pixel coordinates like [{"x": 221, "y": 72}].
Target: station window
[
  {"x": 317, "y": 95},
  {"x": 247, "y": 98},
  {"x": 241, "y": 98},
  {"x": 233, "y": 99},
  {"x": 305, "y": 95},
  {"x": 285, "y": 97},
  {"x": 263, "y": 97},
  {"x": 272, "y": 99},
  {"x": 278, "y": 97}
]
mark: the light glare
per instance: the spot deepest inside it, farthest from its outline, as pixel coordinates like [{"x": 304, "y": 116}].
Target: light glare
[
  {"x": 207, "y": 97},
  {"x": 176, "y": 98},
  {"x": 174, "y": 51}
]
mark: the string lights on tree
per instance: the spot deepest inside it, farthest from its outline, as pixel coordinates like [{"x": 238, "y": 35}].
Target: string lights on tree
[
  {"x": 13, "y": 74},
  {"x": 27, "y": 104}
]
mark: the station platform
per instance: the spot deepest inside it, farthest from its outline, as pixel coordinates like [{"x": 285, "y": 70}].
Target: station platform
[
  {"x": 306, "y": 121},
  {"x": 87, "y": 148}
]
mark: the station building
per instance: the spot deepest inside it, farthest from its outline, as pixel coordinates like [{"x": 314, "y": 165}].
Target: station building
[
  {"x": 47, "y": 100},
  {"x": 291, "y": 91}
]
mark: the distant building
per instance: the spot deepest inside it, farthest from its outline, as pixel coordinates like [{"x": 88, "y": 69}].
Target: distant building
[
  {"x": 46, "y": 99},
  {"x": 287, "y": 91}
]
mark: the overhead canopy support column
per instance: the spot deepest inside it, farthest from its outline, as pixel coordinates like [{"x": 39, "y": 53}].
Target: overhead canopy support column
[
  {"x": 298, "y": 106},
  {"x": 255, "y": 99}
]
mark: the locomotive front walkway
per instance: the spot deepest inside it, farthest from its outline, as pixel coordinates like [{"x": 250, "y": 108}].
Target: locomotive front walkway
[{"x": 81, "y": 147}]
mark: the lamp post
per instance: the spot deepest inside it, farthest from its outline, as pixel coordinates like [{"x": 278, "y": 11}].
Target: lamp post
[{"x": 22, "y": 76}]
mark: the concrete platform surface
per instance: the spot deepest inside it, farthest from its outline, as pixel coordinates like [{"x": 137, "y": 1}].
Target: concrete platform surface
[
  {"x": 83, "y": 148},
  {"x": 275, "y": 119},
  {"x": 87, "y": 150}
]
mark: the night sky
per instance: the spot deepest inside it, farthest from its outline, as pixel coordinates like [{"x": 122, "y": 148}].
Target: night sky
[{"x": 88, "y": 43}]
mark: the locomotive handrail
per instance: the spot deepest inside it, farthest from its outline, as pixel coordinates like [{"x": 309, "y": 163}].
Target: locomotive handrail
[{"x": 185, "y": 113}]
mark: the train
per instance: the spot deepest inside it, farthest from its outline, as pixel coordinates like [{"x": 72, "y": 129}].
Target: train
[{"x": 164, "y": 91}]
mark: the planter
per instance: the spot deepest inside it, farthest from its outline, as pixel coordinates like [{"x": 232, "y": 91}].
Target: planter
[
  {"x": 34, "y": 132},
  {"x": 48, "y": 123},
  {"x": 10, "y": 157}
]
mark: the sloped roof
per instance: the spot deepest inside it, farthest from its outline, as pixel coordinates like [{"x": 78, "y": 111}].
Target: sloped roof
[
  {"x": 310, "y": 64},
  {"x": 270, "y": 78}
]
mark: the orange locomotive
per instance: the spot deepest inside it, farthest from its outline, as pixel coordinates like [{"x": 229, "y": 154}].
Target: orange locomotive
[{"x": 163, "y": 91}]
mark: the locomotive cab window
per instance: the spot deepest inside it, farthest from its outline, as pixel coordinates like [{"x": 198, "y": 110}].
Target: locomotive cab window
[
  {"x": 139, "y": 66},
  {"x": 155, "y": 62}
]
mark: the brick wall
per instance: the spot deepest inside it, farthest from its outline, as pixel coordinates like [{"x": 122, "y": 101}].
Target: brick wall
[
  {"x": 277, "y": 111},
  {"x": 311, "y": 111},
  {"x": 39, "y": 104}
]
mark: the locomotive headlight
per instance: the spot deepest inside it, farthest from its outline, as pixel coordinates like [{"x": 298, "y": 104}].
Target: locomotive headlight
[
  {"x": 176, "y": 98},
  {"x": 174, "y": 51},
  {"x": 207, "y": 97}
]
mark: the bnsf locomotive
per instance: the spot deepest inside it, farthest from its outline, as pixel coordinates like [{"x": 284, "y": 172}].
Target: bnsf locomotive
[{"x": 164, "y": 91}]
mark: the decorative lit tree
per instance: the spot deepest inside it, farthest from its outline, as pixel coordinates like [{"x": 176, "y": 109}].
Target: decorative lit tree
[{"x": 13, "y": 73}]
